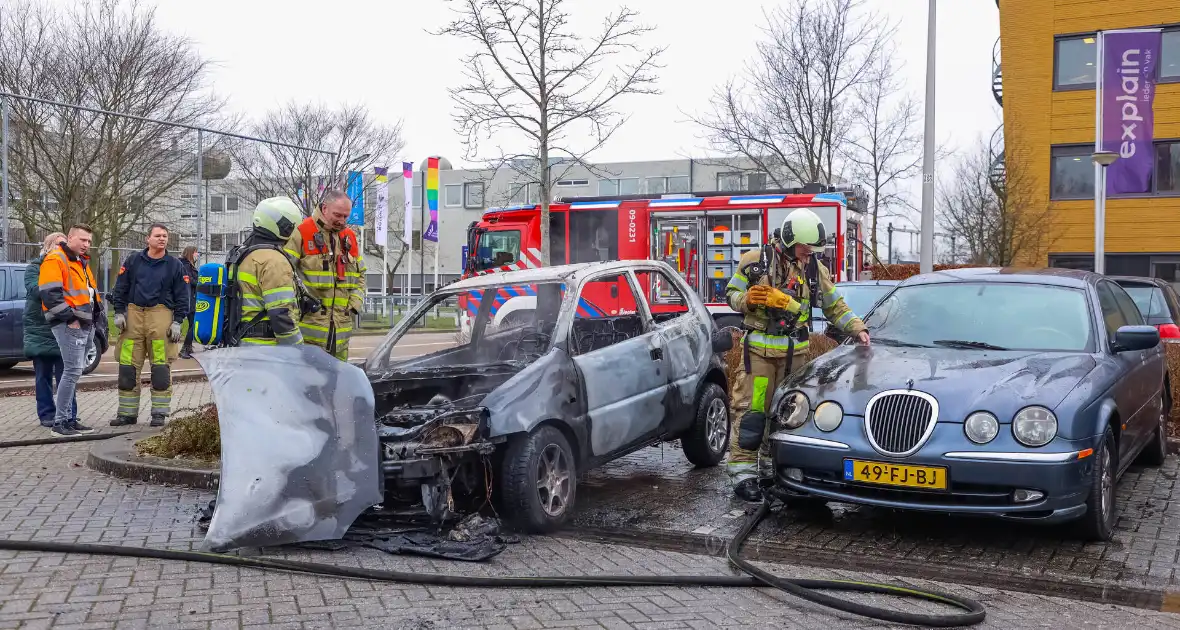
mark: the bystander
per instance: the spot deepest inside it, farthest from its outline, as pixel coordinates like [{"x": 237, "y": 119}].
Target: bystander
[
  {"x": 70, "y": 302},
  {"x": 189, "y": 258},
  {"x": 40, "y": 346}
]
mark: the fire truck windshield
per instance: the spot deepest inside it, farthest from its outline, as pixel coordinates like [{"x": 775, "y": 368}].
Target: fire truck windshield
[{"x": 497, "y": 249}]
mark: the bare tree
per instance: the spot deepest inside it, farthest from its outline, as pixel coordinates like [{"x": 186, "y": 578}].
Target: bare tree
[
  {"x": 68, "y": 165},
  {"x": 884, "y": 149},
  {"x": 349, "y": 133},
  {"x": 533, "y": 74},
  {"x": 996, "y": 219},
  {"x": 794, "y": 107}
]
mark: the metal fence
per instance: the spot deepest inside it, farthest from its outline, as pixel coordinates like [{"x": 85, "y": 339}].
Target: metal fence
[{"x": 62, "y": 164}]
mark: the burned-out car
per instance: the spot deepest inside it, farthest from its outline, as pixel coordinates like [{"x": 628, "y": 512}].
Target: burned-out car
[{"x": 598, "y": 360}]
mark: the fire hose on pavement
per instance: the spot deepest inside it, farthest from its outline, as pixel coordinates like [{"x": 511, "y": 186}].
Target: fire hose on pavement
[{"x": 807, "y": 589}]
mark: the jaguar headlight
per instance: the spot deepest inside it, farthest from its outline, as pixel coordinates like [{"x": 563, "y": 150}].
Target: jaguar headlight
[
  {"x": 828, "y": 416},
  {"x": 1034, "y": 426},
  {"x": 981, "y": 427},
  {"x": 792, "y": 410}
]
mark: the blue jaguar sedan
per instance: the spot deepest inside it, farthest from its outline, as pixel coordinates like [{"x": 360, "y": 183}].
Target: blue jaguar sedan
[{"x": 1019, "y": 394}]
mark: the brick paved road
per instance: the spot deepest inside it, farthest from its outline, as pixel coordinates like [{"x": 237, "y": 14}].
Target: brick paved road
[{"x": 46, "y": 493}]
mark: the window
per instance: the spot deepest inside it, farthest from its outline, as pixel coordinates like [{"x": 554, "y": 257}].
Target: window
[
  {"x": 567, "y": 183},
  {"x": 1167, "y": 166},
  {"x": 727, "y": 182},
  {"x": 1127, "y": 306},
  {"x": 557, "y": 238},
  {"x": 416, "y": 202},
  {"x": 1150, "y": 299},
  {"x": 1169, "y": 62},
  {"x": 665, "y": 300},
  {"x": 224, "y": 241},
  {"x": 521, "y": 194},
  {"x": 497, "y": 249},
  {"x": 452, "y": 195},
  {"x": 1013, "y": 316},
  {"x": 607, "y": 314},
  {"x": 1075, "y": 65},
  {"x": 1112, "y": 316},
  {"x": 473, "y": 195},
  {"x": 615, "y": 187},
  {"x": 1072, "y": 176},
  {"x": 594, "y": 236},
  {"x": 666, "y": 185},
  {"x": 231, "y": 204},
  {"x": 216, "y": 203}
]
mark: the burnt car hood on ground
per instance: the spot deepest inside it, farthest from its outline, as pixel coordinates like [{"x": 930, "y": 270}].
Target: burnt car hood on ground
[{"x": 963, "y": 381}]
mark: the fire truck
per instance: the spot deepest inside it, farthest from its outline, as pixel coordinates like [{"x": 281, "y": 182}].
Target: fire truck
[{"x": 702, "y": 235}]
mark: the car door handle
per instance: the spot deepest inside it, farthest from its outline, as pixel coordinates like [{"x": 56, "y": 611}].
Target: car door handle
[{"x": 657, "y": 354}]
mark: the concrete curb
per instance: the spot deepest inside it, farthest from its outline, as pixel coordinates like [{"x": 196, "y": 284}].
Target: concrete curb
[
  {"x": 117, "y": 457},
  {"x": 1147, "y": 598}
]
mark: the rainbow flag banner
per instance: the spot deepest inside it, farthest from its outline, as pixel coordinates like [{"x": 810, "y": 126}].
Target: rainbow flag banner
[{"x": 431, "y": 231}]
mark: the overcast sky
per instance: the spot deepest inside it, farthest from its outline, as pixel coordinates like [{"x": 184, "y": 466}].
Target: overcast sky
[{"x": 380, "y": 53}]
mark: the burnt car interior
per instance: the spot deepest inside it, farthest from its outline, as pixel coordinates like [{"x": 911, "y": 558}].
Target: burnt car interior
[{"x": 601, "y": 332}]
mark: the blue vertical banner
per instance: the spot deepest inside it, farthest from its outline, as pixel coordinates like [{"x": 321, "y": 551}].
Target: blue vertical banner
[{"x": 356, "y": 192}]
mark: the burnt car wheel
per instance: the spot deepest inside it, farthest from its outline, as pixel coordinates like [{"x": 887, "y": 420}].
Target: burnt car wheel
[
  {"x": 705, "y": 442},
  {"x": 1156, "y": 451},
  {"x": 1098, "y": 522},
  {"x": 539, "y": 483}
]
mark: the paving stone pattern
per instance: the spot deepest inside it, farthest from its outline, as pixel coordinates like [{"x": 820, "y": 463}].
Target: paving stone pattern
[
  {"x": 46, "y": 493},
  {"x": 656, "y": 489}
]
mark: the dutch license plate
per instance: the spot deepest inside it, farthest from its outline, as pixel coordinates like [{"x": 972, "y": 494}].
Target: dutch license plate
[{"x": 922, "y": 477}]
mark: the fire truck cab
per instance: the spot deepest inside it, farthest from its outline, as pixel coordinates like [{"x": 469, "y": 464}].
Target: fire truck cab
[{"x": 701, "y": 235}]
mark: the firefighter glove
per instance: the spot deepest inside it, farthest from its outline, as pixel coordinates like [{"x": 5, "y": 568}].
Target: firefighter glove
[
  {"x": 174, "y": 332},
  {"x": 778, "y": 300},
  {"x": 120, "y": 321},
  {"x": 757, "y": 295}
]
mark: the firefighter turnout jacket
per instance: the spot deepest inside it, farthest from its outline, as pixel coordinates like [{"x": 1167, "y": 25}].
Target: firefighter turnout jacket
[
  {"x": 333, "y": 271},
  {"x": 788, "y": 276},
  {"x": 147, "y": 282},
  {"x": 270, "y": 304},
  {"x": 67, "y": 288}
]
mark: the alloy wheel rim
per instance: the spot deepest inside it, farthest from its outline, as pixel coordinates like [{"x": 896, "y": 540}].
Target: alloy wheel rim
[
  {"x": 1107, "y": 484},
  {"x": 715, "y": 421},
  {"x": 553, "y": 480}
]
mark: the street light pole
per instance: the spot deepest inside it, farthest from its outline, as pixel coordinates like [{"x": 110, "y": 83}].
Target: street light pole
[
  {"x": 1102, "y": 159},
  {"x": 926, "y": 257}
]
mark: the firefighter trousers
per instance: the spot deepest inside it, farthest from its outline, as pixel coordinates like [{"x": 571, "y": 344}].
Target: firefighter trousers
[
  {"x": 333, "y": 338},
  {"x": 146, "y": 338},
  {"x": 753, "y": 391}
]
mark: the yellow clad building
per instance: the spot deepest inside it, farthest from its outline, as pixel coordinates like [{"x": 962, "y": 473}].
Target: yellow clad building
[{"x": 1046, "y": 87}]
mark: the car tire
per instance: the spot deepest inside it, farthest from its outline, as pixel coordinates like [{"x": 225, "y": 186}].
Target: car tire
[
  {"x": 1101, "y": 507},
  {"x": 539, "y": 472},
  {"x": 707, "y": 440},
  {"x": 1156, "y": 451},
  {"x": 93, "y": 359}
]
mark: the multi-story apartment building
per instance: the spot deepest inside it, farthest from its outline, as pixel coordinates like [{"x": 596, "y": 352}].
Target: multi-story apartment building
[{"x": 1047, "y": 89}]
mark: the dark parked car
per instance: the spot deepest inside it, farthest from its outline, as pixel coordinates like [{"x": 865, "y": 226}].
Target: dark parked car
[
  {"x": 860, "y": 296},
  {"x": 1158, "y": 302},
  {"x": 1010, "y": 393},
  {"x": 12, "y": 326}
]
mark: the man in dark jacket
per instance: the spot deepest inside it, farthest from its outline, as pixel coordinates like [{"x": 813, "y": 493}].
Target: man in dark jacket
[
  {"x": 41, "y": 346},
  {"x": 151, "y": 298}
]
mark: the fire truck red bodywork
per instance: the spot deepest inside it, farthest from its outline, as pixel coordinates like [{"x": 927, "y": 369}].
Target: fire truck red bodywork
[{"x": 689, "y": 232}]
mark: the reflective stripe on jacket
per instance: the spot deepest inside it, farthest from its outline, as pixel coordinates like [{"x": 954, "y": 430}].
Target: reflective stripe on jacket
[
  {"x": 67, "y": 288},
  {"x": 333, "y": 271},
  {"x": 786, "y": 275},
  {"x": 267, "y": 282}
]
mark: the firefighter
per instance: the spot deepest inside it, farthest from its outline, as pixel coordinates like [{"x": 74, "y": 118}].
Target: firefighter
[
  {"x": 266, "y": 277},
  {"x": 773, "y": 286},
  {"x": 333, "y": 270},
  {"x": 151, "y": 299}
]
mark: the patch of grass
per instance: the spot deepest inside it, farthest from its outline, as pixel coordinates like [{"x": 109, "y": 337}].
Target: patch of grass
[{"x": 196, "y": 436}]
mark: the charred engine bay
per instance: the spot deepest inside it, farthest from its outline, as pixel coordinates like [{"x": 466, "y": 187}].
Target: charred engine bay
[{"x": 409, "y": 400}]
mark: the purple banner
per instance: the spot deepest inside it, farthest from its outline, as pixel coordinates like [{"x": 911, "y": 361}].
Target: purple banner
[{"x": 1128, "y": 88}]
